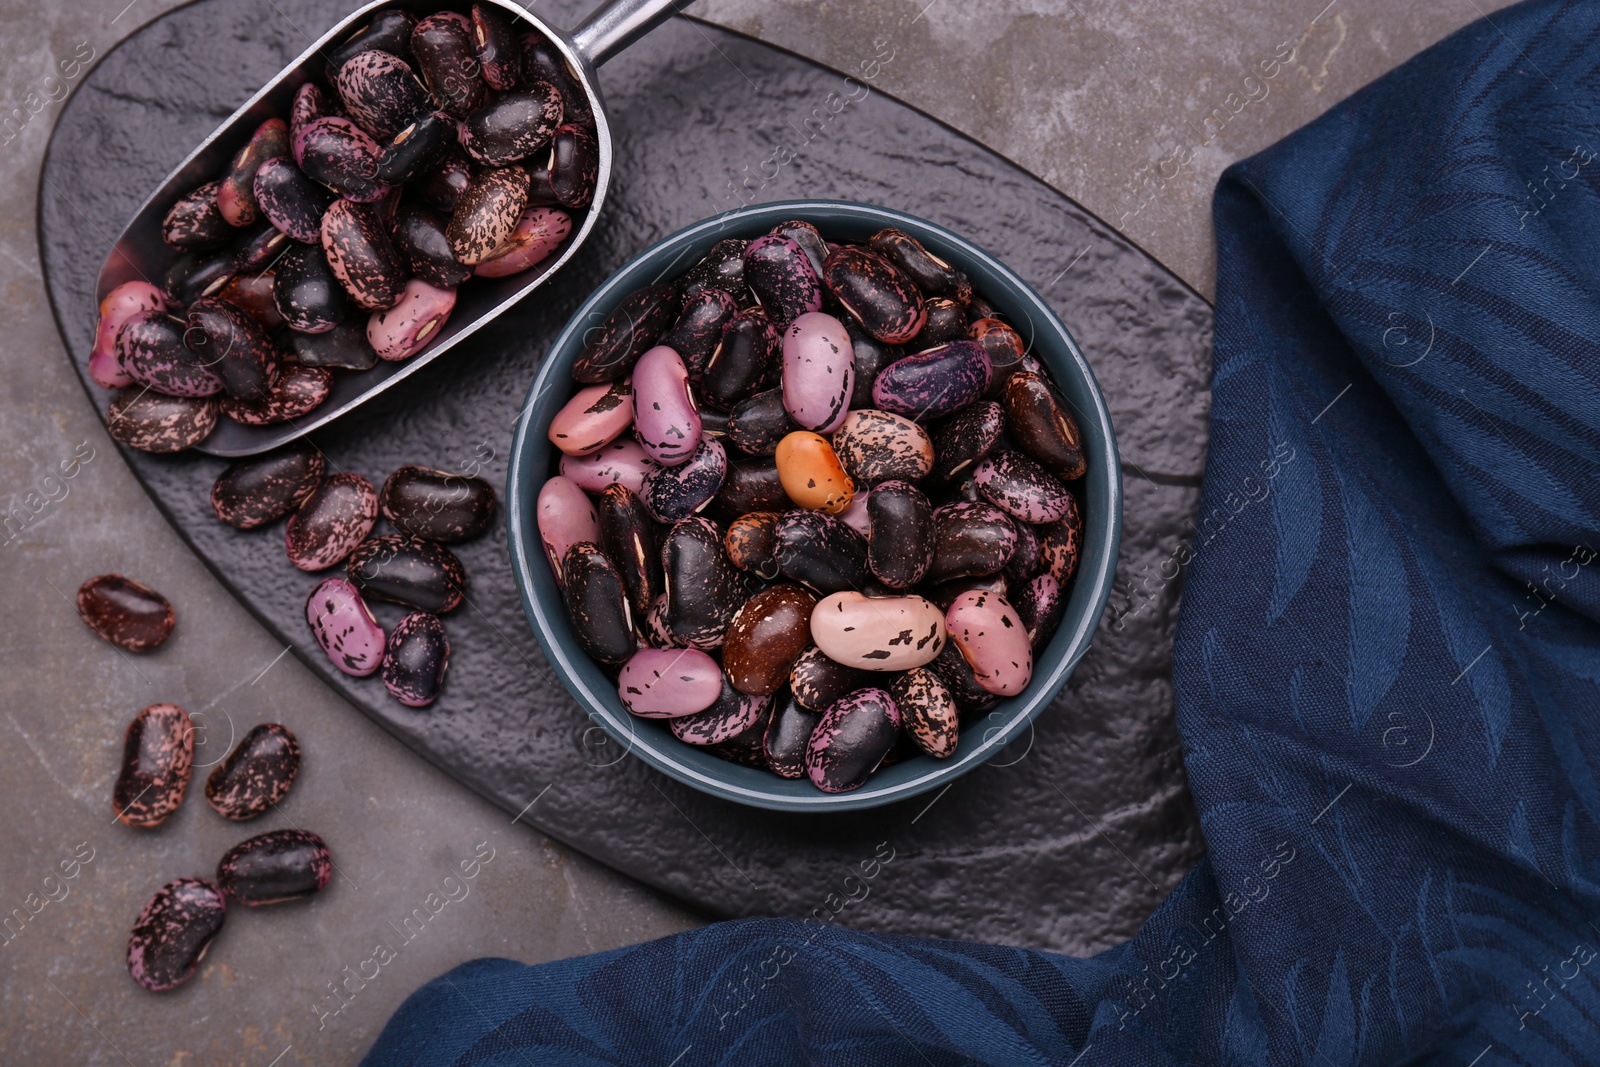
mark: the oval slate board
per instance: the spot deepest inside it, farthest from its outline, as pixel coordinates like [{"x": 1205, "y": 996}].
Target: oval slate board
[{"x": 1067, "y": 843}]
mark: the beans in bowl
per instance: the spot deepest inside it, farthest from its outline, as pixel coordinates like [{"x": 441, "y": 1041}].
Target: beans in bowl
[{"x": 815, "y": 503}]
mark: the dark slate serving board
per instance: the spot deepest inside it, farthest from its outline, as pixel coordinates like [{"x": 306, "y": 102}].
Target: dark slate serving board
[{"x": 1066, "y": 841}]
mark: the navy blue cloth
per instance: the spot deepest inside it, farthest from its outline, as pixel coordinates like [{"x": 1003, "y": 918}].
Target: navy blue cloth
[{"x": 1387, "y": 666}]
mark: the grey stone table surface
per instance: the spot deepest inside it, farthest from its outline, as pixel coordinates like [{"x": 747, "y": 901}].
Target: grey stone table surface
[{"x": 1093, "y": 103}]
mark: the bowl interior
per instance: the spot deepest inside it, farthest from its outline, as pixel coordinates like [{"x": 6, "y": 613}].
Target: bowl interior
[{"x": 1100, "y": 491}]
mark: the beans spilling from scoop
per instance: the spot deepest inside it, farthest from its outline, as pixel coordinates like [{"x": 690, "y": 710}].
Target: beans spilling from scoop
[
  {"x": 438, "y": 151},
  {"x": 815, "y": 503}
]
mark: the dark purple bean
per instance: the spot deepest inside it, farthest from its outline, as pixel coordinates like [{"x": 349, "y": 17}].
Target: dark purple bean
[
  {"x": 274, "y": 867},
  {"x": 232, "y": 345},
  {"x": 744, "y": 362},
  {"x": 819, "y": 551},
  {"x": 757, "y": 425},
  {"x": 934, "y": 276},
  {"x": 704, "y": 589},
  {"x": 962, "y": 439},
  {"x": 611, "y": 350},
  {"x": 263, "y": 489},
  {"x": 970, "y": 540},
  {"x": 256, "y": 775},
  {"x": 733, "y": 714},
  {"x": 405, "y": 570},
  {"x": 628, "y": 537},
  {"x": 442, "y": 45},
  {"x": 698, "y": 330},
  {"x": 291, "y": 201},
  {"x": 788, "y": 734},
  {"x": 345, "y": 346},
  {"x": 499, "y": 50},
  {"x": 419, "y": 236},
  {"x": 673, "y": 493},
  {"x": 574, "y": 165},
  {"x": 416, "y": 149},
  {"x": 157, "y": 760},
  {"x": 875, "y": 293},
  {"x": 513, "y": 126},
  {"x": 900, "y": 548},
  {"x": 852, "y": 738},
  {"x": 195, "y": 223},
  {"x": 388, "y": 30},
  {"x": 126, "y": 613},
  {"x": 416, "y": 659},
  {"x": 541, "y": 62},
  {"x": 340, "y": 155},
  {"x": 172, "y": 933},
  {"x": 721, "y": 268},
  {"x": 782, "y": 277},
  {"x": 150, "y": 350},
  {"x": 305, "y": 291},
  {"x": 437, "y": 505},
  {"x": 150, "y": 422},
  {"x": 597, "y": 603}
]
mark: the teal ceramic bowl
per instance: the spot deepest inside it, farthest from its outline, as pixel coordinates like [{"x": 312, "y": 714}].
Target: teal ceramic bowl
[{"x": 533, "y": 460}]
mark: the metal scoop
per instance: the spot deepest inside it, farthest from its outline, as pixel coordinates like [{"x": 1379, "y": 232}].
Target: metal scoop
[{"x": 141, "y": 254}]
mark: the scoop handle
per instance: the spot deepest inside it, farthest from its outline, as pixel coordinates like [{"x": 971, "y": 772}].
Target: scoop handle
[{"x": 613, "y": 26}]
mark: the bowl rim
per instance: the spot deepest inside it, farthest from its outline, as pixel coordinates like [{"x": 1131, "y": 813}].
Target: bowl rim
[{"x": 604, "y": 707}]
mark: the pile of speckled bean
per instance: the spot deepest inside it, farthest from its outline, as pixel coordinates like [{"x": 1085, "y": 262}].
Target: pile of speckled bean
[
  {"x": 814, "y": 503},
  {"x": 446, "y": 149},
  {"x": 331, "y": 521},
  {"x": 177, "y": 926}
]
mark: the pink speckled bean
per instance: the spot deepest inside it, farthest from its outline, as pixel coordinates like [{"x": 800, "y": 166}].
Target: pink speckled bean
[
  {"x": 819, "y": 372},
  {"x": 120, "y": 305},
  {"x": 992, "y": 639},
  {"x": 664, "y": 413},
  {"x": 665, "y": 683},
  {"x": 344, "y": 627},
  {"x": 593, "y": 418},
  {"x": 622, "y": 462},
  {"x": 566, "y": 517},
  {"x": 539, "y": 233},
  {"x": 402, "y": 331}
]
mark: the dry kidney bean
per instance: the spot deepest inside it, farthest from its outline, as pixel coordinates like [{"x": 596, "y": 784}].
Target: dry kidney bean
[
  {"x": 865, "y": 533},
  {"x": 157, "y": 760},
  {"x": 274, "y": 867},
  {"x": 127, "y": 613},
  {"x": 256, "y": 775},
  {"x": 173, "y": 932}
]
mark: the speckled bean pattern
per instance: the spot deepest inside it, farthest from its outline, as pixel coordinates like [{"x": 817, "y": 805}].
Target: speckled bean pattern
[
  {"x": 818, "y": 372},
  {"x": 852, "y": 738},
  {"x": 416, "y": 659},
  {"x": 157, "y": 761},
  {"x": 256, "y": 775},
  {"x": 127, "y": 613},
  {"x": 1021, "y": 487},
  {"x": 781, "y": 275},
  {"x": 173, "y": 931},
  {"x": 929, "y": 711},
  {"x": 934, "y": 383},
  {"x": 879, "y": 446},
  {"x": 336, "y": 518},
  {"x": 732, "y": 714}
]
